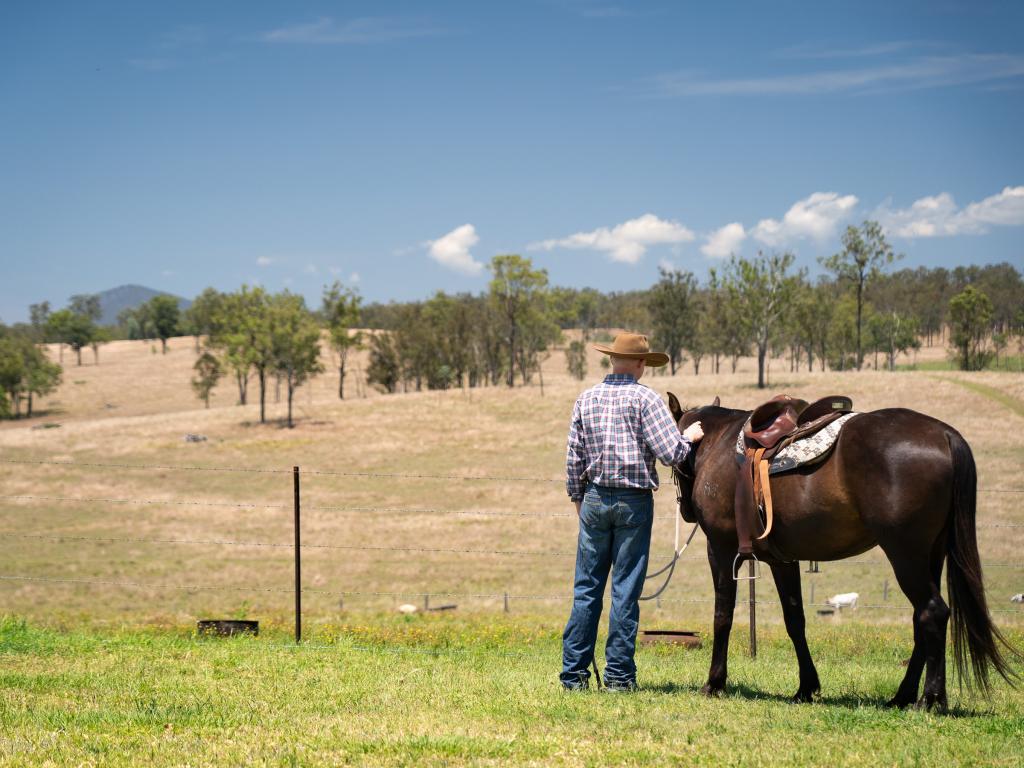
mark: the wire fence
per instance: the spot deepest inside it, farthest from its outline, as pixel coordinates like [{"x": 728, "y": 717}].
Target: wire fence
[{"x": 48, "y": 533}]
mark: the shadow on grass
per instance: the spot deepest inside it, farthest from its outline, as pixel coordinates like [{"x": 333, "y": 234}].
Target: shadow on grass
[{"x": 742, "y": 691}]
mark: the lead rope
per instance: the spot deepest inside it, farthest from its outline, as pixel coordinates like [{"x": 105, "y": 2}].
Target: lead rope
[{"x": 671, "y": 567}]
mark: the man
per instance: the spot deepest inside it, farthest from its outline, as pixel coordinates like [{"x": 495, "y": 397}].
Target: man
[{"x": 619, "y": 427}]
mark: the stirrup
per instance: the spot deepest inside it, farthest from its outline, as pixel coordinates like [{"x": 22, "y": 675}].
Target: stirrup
[{"x": 736, "y": 563}]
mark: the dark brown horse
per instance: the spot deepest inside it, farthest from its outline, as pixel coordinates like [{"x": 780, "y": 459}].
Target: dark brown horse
[{"x": 896, "y": 479}]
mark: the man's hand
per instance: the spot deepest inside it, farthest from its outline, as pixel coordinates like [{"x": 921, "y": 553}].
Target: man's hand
[
  {"x": 694, "y": 432},
  {"x": 578, "y": 503}
]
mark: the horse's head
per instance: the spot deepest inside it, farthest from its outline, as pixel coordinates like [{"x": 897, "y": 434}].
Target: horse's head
[{"x": 684, "y": 476}]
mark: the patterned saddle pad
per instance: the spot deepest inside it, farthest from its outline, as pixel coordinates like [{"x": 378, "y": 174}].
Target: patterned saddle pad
[{"x": 806, "y": 451}]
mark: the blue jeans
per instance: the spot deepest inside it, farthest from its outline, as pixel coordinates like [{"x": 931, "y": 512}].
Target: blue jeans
[{"x": 615, "y": 535}]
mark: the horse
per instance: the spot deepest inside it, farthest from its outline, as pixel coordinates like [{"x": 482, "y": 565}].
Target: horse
[{"x": 895, "y": 478}]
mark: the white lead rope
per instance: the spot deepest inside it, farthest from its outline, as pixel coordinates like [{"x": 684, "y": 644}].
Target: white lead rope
[{"x": 671, "y": 567}]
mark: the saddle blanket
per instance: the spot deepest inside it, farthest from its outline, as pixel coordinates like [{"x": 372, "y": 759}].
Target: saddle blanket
[{"x": 805, "y": 451}]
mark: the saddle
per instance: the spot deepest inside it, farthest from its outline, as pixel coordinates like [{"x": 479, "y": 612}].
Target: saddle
[{"x": 771, "y": 427}]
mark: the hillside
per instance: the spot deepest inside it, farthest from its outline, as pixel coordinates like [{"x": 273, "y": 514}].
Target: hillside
[{"x": 116, "y": 300}]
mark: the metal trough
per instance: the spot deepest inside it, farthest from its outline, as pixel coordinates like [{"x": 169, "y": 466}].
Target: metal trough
[
  {"x": 227, "y": 627},
  {"x": 684, "y": 638}
]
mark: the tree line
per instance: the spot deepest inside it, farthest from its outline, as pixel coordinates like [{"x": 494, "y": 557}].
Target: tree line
[{"x": 860, "y": 309}]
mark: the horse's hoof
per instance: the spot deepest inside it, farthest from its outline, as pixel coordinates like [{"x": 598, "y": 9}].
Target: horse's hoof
[
  {"x": 934, "y": 704},
  {"x": 712, "y": 691},
  {"x": 896, "y": 703},
  {"x": 806, "y": 697}
]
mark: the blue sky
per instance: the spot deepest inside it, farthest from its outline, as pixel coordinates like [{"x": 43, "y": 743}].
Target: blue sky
[{"x": 399, "y": 146}]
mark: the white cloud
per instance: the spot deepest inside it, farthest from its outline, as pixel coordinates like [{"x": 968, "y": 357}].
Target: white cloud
[
  {"x": 452, "y": 250},
  {"x": 626, "y": 242},
  {"x": 724, "y": 241},
  {"x": 916, "y": 72},
  {"x": 816, "y": 217},
  {"x": 310, "y": 269},
  {"x": 354, "y": 277},
  {"x": 939, "y": 216},
  {"x": 264, "y": 261},
  {"x": 665, "y": 265},
  {"x": 327, "y": 31}
]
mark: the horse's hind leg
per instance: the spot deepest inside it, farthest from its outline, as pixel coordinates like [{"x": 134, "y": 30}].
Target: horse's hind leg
[
  {"x": 725, "y": 604},
  {"x": 787, "y": 582},
  {"x": 919, "y": 581}
]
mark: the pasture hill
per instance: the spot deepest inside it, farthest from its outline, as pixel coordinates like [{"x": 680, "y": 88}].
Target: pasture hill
[{"x": 118, "y": 534}]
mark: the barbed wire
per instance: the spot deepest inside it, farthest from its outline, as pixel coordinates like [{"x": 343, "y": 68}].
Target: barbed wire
[
  {"x": 425, "y": 593},
  {"x": 231, "y": 543},
  {"x": 334, "y": 473},
  {"x": 151, "y": 502},
  {"x": 266, "y": 470},
  {"x": 340, "y": 508}
]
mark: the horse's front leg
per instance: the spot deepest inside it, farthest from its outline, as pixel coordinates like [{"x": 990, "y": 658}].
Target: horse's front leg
[
  {"x": 720, "y": 560},
  {"x": 787, "y": 582}
]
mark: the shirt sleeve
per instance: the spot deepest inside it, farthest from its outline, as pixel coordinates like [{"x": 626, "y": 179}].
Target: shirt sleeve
[
  {"x": 575, "y": 456},
  {"x": 661, "y": 433}
]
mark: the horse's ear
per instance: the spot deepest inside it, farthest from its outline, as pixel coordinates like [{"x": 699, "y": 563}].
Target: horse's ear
[
  {"x": 674, "y": 406},
  {"x": 718, "y": 401}
]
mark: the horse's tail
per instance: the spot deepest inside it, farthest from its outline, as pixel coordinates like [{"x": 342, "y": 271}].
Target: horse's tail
[{"x": 976, "y": 641}]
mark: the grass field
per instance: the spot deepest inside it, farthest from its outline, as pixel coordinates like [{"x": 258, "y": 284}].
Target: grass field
[
  {"x": 442, "y": 691},
  {"x": 111, "y": 566}
]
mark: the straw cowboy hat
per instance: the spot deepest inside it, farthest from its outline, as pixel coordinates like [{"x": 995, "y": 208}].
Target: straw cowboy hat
[{"x": 635, "y": 347}]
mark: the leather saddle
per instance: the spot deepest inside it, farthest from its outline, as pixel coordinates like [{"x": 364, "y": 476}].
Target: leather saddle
[{"x": 771, "y": 427}]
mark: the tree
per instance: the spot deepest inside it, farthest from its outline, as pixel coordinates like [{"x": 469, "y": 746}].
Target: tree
[
  {"x": 539, "y": 332},
  {"x": 760, "y": 292},
  {"x": 165, "y": 316},
  {"x": 87, "y": 305},
  {"x": 894, "y": 334},
  {"x": 72, "y": 328},
  {"x": 25, "y": 371},
  {"x": 727, "y": 334},
  {"x": 865, "y": 252},
  {"x": 295, "y": 343},
  {"x": 39, "y": 314},
  {"x": 514, "y": 289},
  {"x": 970, "y": 319},
  {"x": 203, "y": 314},
  {"x": 384, "y": 370},
  {"x": 672, "y": 313},
  {"x": 576, "y": 360},
  {"x": 341, "y": 313},
  {"x": 208, "y": 372}
]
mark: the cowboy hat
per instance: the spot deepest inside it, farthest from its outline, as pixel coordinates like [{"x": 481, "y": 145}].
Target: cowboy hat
[{"x": 633, "y": 346}]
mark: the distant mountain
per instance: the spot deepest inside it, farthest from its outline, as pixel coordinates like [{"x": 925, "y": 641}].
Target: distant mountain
[{"x": 116, "y": 300}]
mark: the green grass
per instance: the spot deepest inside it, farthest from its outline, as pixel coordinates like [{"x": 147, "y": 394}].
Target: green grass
[
  {"x": 997, "y": 395},
  {"x": 444, "y": 690},
  {"x": 1007, "y": 364}
]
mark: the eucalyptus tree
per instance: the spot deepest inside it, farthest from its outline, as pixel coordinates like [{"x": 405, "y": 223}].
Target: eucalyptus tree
[
  {"x": 672, "y": 313},
  {"x": 340, "y": 311},
  {"x": 760, "y": 290},
  {"x": 294, "y": 343},
  {"x": 515, "y": 289},
  {"x": 865, "y": 252}
]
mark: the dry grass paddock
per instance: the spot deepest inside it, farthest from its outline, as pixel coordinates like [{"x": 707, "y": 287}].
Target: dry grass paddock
[{"x": 136, "y": 405}]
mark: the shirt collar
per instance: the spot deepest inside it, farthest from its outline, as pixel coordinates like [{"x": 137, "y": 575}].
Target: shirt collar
[{"x": 620, "y": 378}]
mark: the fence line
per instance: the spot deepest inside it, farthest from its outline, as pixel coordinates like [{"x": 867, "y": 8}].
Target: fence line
[
  {"x": 422, "y": 593},
  {"x": 373, "y": 548},
  {"x": 335, "y": 473},
  {"x": 368, "y": 548},
  {"x": 325, "y": 472},
  {"x": 330, "y": 508}
]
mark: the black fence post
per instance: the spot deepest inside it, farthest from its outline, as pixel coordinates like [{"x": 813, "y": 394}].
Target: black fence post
[
  {"x": 298, "y": 560},
  {"x": 753, "y": 612}
]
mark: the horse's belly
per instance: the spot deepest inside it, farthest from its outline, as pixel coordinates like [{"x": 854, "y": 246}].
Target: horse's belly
[{"x": 818, "y": 525}]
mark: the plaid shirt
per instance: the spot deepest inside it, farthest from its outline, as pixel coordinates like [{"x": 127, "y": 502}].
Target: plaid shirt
[{"x": 619, "y": 427}]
